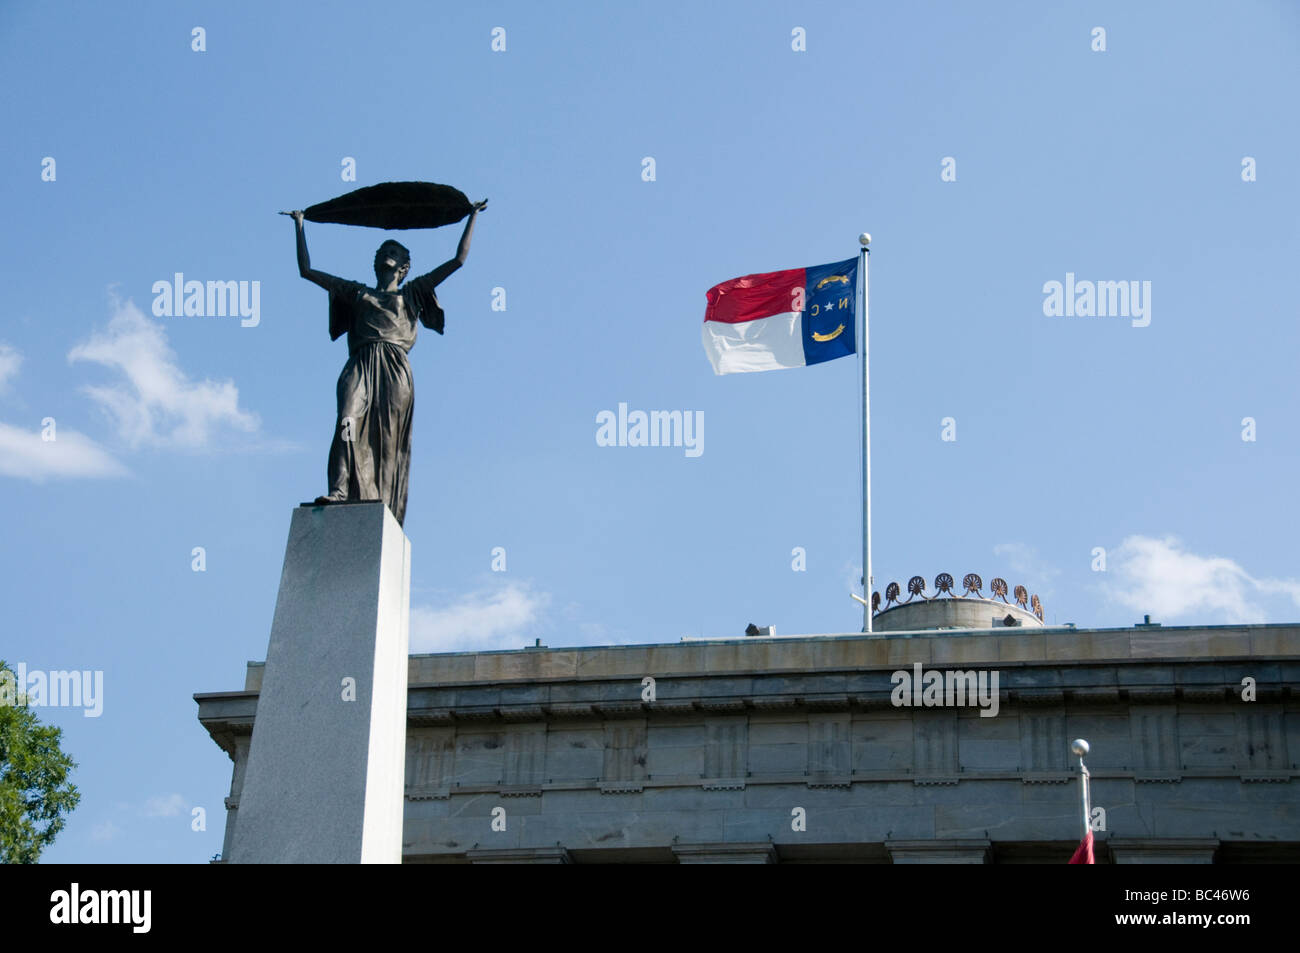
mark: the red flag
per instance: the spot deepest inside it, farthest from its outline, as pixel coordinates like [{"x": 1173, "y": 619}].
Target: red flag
[{"x": 1083, "y": 854}]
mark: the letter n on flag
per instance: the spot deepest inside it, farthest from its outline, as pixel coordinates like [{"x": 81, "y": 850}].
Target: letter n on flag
[
  {"x": 781, "y": 319},
  {"x": 1083, "y": 853}
]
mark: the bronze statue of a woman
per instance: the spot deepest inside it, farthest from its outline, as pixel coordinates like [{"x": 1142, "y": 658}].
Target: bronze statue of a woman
[{"x": 370, "y": 457}]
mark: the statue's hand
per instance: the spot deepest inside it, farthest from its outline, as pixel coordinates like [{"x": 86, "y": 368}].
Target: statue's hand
[{"x": 480, "y": 206}]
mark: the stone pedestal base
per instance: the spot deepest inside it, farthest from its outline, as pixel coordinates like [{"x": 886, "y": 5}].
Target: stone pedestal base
[{"x": 326, "y": 766}]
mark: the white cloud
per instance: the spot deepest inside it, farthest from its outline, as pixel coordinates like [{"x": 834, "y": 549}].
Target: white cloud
[
  {"x": 156, "y": 402},
  {"x": 165, "y": 805},
  {"x": 104, "y": 831},
  {"x": 1160, "y": 577},
  {"x": 24, "y": 454},
  {"x": 853, "y": 577},
  {"x": 500, "y": 618},
  {"x": 10, "y": 360}
]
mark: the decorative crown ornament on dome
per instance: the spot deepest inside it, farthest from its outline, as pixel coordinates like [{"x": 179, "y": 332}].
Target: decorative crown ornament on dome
[{"x": 943, "y": 583}]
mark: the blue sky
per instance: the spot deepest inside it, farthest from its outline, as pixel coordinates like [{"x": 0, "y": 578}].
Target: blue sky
[{"x": 1072, "y": 433}]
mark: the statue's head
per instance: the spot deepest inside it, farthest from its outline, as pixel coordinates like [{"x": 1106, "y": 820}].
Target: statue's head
[{"x": 392, "y": 258}]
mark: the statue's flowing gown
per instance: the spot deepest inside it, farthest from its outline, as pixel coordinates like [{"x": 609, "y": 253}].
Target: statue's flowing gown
[{"x": 370, "y": 458}]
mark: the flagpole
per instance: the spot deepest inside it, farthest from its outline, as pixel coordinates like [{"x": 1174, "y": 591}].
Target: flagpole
[
  {"x": 1080, "y": 748},
  {"x": 865, "y": 241}
]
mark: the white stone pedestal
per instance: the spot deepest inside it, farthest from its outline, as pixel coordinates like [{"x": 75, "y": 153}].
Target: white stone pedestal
[{"x": 325, "y": 775}]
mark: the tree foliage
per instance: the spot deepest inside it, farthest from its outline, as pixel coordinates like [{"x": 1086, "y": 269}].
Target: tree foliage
[{"x": 35, "y": 793}]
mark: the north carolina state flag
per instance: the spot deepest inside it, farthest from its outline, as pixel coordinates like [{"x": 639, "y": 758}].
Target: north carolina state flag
[
  {"x": 790, "y": 318},
  {"x": 1083, "y": 854}
]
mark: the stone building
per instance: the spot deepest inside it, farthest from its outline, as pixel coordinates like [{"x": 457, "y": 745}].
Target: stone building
[{"x": 798, "y": 749}]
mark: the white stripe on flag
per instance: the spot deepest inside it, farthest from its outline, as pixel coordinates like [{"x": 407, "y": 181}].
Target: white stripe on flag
[{"x": 764, "y": 344}]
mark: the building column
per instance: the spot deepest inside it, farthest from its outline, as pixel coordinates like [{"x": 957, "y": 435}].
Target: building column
[
  {"x": 240, "y": 757},
  {"x": 957, "y": 851}
]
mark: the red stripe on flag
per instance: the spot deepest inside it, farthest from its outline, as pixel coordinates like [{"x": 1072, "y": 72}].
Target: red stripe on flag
[
  {"x": 755, "y": 296},
  {"x": 1083, "y": 855}
]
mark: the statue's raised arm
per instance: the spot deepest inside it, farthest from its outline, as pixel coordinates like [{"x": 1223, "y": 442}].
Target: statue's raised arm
[
  {"x": 324, "y": 279},
  {"x": 436, "y": 277}
]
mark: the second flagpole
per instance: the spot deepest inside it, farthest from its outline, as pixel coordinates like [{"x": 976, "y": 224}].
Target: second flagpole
[{"x": 867, "y": 585}]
